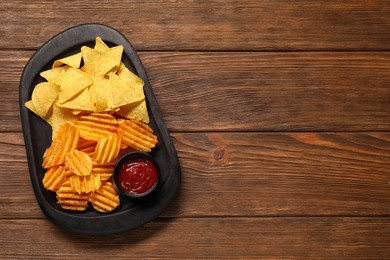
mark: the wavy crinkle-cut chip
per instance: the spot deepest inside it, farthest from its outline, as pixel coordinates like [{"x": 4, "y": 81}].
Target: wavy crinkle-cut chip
[
  {"x": 105, "y": 199},
  {"x": 95, "y": 126},
  {"x": 79, "y": 163},
  {"x": 54, "y": 177},
  {"x": 69, "y": 199},
  {"x": 64, "y": 141},
  {"x": 137, "y": 135},
  {"x": 86, "y": 146},
  {"x": 85, "y": 184},
  {"x": 105, "y": 171},
  {"x": 107, "y": 149}
]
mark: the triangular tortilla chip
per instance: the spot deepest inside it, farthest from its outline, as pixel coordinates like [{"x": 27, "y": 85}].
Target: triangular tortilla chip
[
  {"x": 43, "y": 97},
  {"x": 125, "y": 74},
  {"x": 73, "y": 61},
  {"x": 73, "y": 83},
  {"x": 100, "y": 45},
  {"x": 59, "y": 117},
  {"x": 135, "y": 111},
  {"x": 54, "y": 75},
  {"x": 102, "y": 62},
  {"x": 99, "y": 93},
  {"x": 122, "y": 93},
  {"x": 80, "y": 102}
]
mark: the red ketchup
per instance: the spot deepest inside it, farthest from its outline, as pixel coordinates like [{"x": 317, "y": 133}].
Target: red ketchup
[{"x": 137, "y": 175}]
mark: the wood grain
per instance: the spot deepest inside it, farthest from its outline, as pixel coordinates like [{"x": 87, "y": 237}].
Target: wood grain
[
  {"x": 223, "y": 91},
  {"x": 211, "y": 238},
  {"x": 217, "y": 25},
  {"x": 249, "y": 174}
]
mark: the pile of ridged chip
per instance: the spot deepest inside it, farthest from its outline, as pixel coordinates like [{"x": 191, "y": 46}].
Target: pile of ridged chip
[{"x": 80, "y": 161}]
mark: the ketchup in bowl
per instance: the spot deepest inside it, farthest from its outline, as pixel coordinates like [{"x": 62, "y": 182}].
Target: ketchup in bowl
[{"x": 136, "y": 174}]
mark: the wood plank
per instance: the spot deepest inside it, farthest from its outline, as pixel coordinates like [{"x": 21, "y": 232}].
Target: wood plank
[
  {"x": 211, "y": 238},
  {"x": 300, "y": 91},
  {"x": 249, "y": 174},
  {"x": 211, "y": 25}
]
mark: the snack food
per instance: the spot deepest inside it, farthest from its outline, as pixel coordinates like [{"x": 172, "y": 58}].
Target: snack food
[
  {"x": 102, "y": 84},
  {"x": 90, "y": 99}
]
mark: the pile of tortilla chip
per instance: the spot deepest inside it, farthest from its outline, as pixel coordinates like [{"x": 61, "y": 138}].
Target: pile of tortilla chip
[{"x": 93, "y": 80}]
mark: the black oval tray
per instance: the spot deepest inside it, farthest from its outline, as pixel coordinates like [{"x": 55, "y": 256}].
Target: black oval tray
[{"x": 37, "y": 136}]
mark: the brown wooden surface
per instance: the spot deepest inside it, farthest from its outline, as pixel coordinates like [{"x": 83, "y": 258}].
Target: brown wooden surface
[{"x": 279, "y": 111}]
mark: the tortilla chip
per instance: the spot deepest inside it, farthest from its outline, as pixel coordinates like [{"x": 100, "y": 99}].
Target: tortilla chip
[
  {"x": 102, "y": 62},
  {"x": 73, "y": 61},
  {"x": 73, "y": 83},
  {"x": 125, "y": 74},
  {"x": 99, "y": 93},
  {"x": 122, "y": 93},
  {"x": 43, "y": 97},
  {"x": 54, "y": 75},
  {"x": 60, "y": 116},
  {"x": 100, "y": 45},
  {"x": 135, "y": 111},
  {"x": 81, "y": 102}
]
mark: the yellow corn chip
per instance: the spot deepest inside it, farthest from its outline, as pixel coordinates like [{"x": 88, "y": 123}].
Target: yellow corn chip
[
  {"x": 100, "y": 45},
  {"x": 99, "y": 93},
  {"x": 122, "y": 93},
  {"x": 43, "y": 97},
  {"x": 54, "y": 75},
  {"x": 79, "y": 163},
  {"x": 126, "y": 75},
  {"x": 73, "y": 61},
  {"x": 81, "y": 102},
  {"x": 102, "y": 62},
  {"x": 59, "y": 117},
  {"x": 137, "y": 111},
  {"x": 73, "y": 83}
]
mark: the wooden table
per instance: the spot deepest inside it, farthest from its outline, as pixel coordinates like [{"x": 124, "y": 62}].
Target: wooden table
[{"x": 279, "y": 111}]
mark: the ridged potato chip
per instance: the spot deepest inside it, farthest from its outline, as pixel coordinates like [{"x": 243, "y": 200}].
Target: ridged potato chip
[
  {"x": 54, "y": 178},
  {"x": 86, "y": 146},
  {"x": 137, "y": 135},
  {"x": 79, "y": 163},
  {"x": 105, "y": 171},
  {"x": 107, "y": 149},
  {"x": 69, "y": 199},
  {"x": 64, "y": 141},
  {"x": 85, "y": 184},
  {"x": 105, "y": 199},
  {"x": 95, "y": 126}
]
